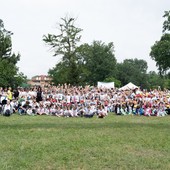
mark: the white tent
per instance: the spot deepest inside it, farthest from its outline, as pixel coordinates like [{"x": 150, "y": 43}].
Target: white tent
[{"x": 129, "y": 86}]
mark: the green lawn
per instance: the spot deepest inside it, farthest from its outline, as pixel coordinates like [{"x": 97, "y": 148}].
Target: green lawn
[{"x": 116, "y": 142}]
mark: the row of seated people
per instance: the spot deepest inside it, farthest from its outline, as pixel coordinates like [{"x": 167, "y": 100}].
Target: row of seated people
[
  {"x": 86, "y": 109},
  {"x": 55, "y": 110},
  {"x": 145, "y": 109}
]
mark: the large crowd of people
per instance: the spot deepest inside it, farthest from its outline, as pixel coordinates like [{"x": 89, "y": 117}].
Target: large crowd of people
[{"x": 77, "y": 101}]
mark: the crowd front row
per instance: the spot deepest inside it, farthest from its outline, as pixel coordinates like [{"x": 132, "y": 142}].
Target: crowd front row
[{"x": 87, "y": 102}]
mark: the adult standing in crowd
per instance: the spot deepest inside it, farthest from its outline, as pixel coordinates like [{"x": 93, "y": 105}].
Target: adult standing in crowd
[
  {"x": 16, "y": 93},
  {"x": 9, "y": 94},
  {"x": 39, "y": 94}
]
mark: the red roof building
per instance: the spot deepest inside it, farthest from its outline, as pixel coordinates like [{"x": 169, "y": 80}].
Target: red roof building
[{"x": 40, "y": 80}]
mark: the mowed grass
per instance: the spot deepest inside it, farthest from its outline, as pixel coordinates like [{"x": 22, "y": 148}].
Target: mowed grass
[{"x": 116, "y": 142}]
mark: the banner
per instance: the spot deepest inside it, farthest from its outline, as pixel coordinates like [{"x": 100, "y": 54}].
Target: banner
[{"x": 105, "y": 84}]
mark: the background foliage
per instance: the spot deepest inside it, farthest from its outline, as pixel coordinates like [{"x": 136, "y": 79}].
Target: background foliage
[
  {"x": 82, "y": 64},
  {"x": 9, "y": 72}
]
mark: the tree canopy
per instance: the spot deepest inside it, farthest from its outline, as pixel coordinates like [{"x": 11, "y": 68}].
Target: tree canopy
[
  {"x": 98, "y": 61},
  {"x": 132, "y": 70},
  {"x": 10, "y": 75},
  {"x": 166, "y": 24},
  {"x": 90, "y": 63},
  {"x": 80, "y": 63},
  {"x": 160, "y": 51},
  {"x": 64, "y": 45}
]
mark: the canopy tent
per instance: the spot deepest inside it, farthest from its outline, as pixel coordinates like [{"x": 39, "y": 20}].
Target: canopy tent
[{"x": 129, "y": 86}]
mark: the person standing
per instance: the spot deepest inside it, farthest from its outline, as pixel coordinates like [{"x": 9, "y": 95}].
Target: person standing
[
  {"x": 16, "y": 93},
  {"x": 9, "y": 94},
  {"x": 39, "y": 94}
]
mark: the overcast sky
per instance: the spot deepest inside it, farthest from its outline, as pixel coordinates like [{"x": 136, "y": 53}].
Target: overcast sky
[{"x": 132, "y": 25}]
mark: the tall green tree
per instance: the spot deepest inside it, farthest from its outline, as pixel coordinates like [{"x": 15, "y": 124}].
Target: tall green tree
[
  {"x": 112, "y": 79},
  {"x": 166, "y": 24},
  {"x": 98, "y": 61},
  {"x": 132, "y": 70},
  {"x": 160, "y": 51},
  {"x": 64, "y": 45},
  {"x": 9, "y": 72},
  {"x": 154, "y": 80}
]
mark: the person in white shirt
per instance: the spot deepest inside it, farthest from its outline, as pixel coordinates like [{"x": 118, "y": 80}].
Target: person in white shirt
[
  {"x": 7, "y": 109},
  {"x": 89, "y": 112},
  {"x": 14, "y": 104},
  {"x": 53, "y": 110},
  {"x": 29, "y": 111},
  {"x": 32, "y": 93},
  {"x": 68, "y": 98},
  {"x": 74, "y": 111},
  {"x": 101, "y": 111}
]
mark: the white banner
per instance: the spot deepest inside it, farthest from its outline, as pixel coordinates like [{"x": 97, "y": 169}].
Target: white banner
[{"x": 105, "y": 84}]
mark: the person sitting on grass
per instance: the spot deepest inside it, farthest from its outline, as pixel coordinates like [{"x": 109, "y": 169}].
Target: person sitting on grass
[
  {"x": 22, "y": 110},
  {"x": 29, "y": 111},
  {"x": 147, "y": 109},
  {"x": 3, "y": 96},
  {"x": 47, "y": 109},
  {"x": 53, "y": 110},
  {"x": 141, "y": 110},
  {"x": 74, "y": 111},
  {"x": 59, "y": 111},
  {"x": 35, "y": 106},
  {"x": 122, "y": 109},
  {"x": 41, "y": 109},
  {"x": 94, "y": 107},
  {"x": 81, "y": 111},
  {"x": 7, "y": 109},
  {"x": 68, "y": 112},
  {"x": 161, "y": 109},
  {"x": 154, "y": 110},
  {"x": 118, "y": 108},
  {"x": 167, "y": 109},
  {"x": 101, "y": 112},
  {"x": 14, "y": 104},
  {"x": 89, "y": 112}
]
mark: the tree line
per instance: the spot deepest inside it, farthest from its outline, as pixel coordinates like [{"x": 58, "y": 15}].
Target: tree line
[
  {"x": 82, "y": 64},
  {"x": 9, "y": 72}
]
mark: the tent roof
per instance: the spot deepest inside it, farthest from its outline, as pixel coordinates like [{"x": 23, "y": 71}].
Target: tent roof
[{"x": 129, "y": 86}]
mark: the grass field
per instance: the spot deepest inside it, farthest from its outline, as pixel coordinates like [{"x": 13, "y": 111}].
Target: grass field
[{"x": 116, "y": 142}]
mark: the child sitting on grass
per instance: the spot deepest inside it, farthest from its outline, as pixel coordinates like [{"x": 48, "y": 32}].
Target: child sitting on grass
[{"x": 101, "y": 112}]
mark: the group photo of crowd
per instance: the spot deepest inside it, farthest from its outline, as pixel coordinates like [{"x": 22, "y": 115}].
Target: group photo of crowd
[{"x": 89, "y": 101}]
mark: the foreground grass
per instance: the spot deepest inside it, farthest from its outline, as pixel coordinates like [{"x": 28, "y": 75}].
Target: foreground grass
[{"x": 116, "y": 142}]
